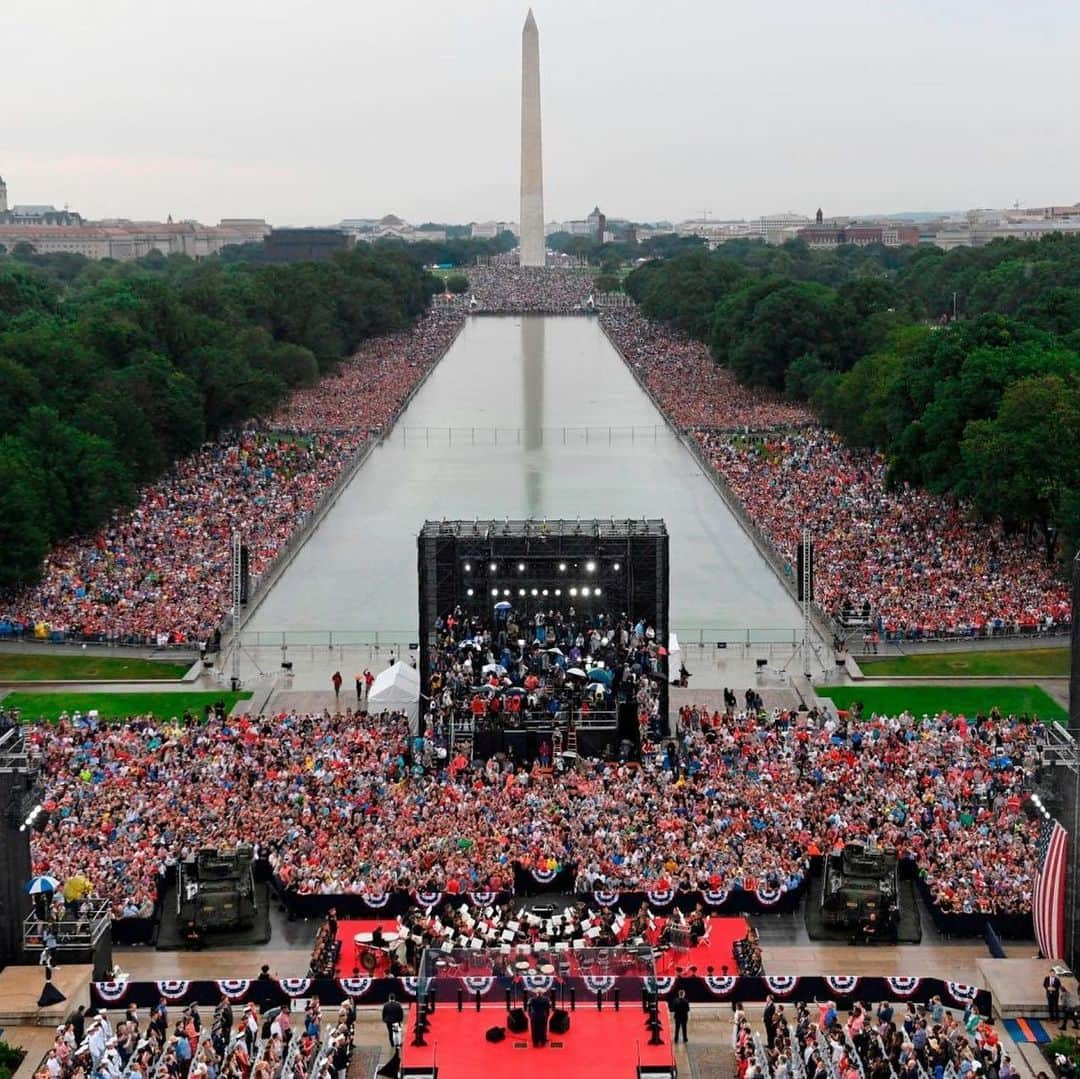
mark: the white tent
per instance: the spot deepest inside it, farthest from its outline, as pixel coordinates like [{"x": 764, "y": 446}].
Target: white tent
[
  {"x": 397, "y": 689},
  {"x": 674, "y": 657}
]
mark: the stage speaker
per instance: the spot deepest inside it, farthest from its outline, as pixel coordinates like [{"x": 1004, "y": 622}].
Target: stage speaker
[
  {"x": 495, "y": 1034},
  {"x": 560, "y": 1021},
  {"x": 517, "y": 1022}
]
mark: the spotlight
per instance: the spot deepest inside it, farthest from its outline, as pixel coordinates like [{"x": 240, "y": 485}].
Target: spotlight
[
  {"x": 558, "y": 591},
  {"x": 494, "y": 591},
  {"x": 585, "y": 591},
  {"x": 468, "y": 591},
  {"x": 521, "y": 567},
  {"x": 506, "y": 591},
  {"x": 535, "y": 592},
  {"x": 590, "y": 567},
  {"x": 616, "y": 567},
  {"x": 468, "y": 567},
  {"x": 562, "y": 567},
  {"x": 493, "y": 567},
  {"x": 545, "y": 592},
  {"x": 573, "y": 591},
  {"x": 596, "y": 591},
  {"x": 521, "y": 591}
]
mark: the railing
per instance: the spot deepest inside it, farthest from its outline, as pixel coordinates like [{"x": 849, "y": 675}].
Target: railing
[
  {"x": 72, "y": 934},
  {"x": 708, "y": 637},
  {"x": 533, "y": 438}
]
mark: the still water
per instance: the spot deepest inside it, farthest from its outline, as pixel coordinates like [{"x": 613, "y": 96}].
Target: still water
[{"x": 533, "y": 416}]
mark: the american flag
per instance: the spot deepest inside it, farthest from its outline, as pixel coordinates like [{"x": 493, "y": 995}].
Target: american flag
[{"x": 1048, "y": 898}]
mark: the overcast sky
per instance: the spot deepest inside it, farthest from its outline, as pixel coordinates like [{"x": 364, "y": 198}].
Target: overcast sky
[{"x": 308, "y": 112}]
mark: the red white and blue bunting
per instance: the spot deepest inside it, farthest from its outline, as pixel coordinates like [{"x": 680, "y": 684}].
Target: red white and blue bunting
[
  {"x": 904, "y": 986},
  {"x": 781, "y": 985},
  {"x": 355, "y": 987},
  {"x": 173, "y": 989},
  {"x": 410, "y": 985},
  {"x": 663, "y": 984},
  {"x": 234, "y": 988},
  {"x": 721, "y": 985},
  {"x": 376, "y": 900},
  {"x": 538, "y": 983},
  {"x": 843, "y": 985},
  {"x": 477, "y": 984},
  {"x": 295, "y": 987},
  {"x": 544, "y": 876},
  {"x": 961, "y": 993},
  {"x": 111, "y": 991},
  {"x": 427, "y": 900},
  {"x": 769, "y": 897},
  {"x": 661, "y": 897},
  {"x": 716, "y": 898},
  {"x": 483, "y": 899},
  {"x": 599, "y": 983},
  {"x": 605, "y": 899}
]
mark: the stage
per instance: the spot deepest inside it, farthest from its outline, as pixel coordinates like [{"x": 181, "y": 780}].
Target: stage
[
  {"x": 604, "y": 1044},
  {"x": 713, "y": 956},
  {"x": 20, "y": 987}
]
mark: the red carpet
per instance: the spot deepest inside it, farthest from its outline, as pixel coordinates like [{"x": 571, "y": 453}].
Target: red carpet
[
  {"x": 717, "y": 953},
  {"x": 604, "y": 1045},
  {"x": 349, "y": 958}
]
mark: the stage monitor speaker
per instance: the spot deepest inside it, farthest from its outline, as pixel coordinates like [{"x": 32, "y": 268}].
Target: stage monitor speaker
[
  {"x": 560, "y": 1021},
  {"x": 517, "y": 1022},
  {"x": 495, "y": 1034}
]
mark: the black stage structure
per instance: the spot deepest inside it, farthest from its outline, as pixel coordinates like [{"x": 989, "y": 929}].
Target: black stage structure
[
  {"x": 20, "y": 806},
  {"x": 616, "y": 566}
]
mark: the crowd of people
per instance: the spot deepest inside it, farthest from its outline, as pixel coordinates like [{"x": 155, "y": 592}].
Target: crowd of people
[
  {"x": 160, "y": 572},
  {"x": 508, "y": 289},
  {"x": 553, "y": 664},
  {"x": 817, "y": 1041},
  {"x": 919, "y": 565},
  {"x": 364, "y": 392},
  {"x": 362, "y": 806},
  {"x": 689, "y": 386},
  {"x": 248, "y": 1045}
]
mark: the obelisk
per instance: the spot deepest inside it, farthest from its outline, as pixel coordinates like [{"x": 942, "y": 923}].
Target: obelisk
[{"x": 531, "y": 244}]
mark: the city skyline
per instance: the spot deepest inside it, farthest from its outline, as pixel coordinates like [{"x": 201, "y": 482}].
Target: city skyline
[{"x": 308, "y": 118}]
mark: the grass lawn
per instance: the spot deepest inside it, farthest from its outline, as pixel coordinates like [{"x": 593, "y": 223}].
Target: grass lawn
[
  {"x": 34, "y": 706},
  {"x": 970, "y": 700},
  {"x": 82, "y": 666},
  {"x": 1019, "y": 663}
]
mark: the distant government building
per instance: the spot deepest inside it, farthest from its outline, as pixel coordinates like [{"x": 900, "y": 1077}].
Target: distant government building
[{"x": 51, "y": 231}]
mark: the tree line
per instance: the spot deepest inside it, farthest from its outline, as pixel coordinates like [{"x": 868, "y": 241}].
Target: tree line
[
  {"x": 110, "y": 372},
  {"x": 962, "y": 367}
]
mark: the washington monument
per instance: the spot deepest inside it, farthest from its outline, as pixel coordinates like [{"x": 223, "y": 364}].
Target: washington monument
[{"x": 531, "y": 244}]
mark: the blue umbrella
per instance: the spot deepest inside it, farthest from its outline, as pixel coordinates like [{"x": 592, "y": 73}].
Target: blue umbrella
[
  {"x": 599, "y": 674},
  {"x": 41, "y": 886},
  {"x": 503, "y": 606}
]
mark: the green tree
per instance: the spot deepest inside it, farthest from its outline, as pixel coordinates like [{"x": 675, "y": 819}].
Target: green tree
[
  {"x": 457, "y": 283},
  {"x": 1023, "y": 465}
]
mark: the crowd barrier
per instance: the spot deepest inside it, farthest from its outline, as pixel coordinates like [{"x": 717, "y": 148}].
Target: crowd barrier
[
  {"x": 761, "y": 899},
  {"x": 950, "y": 924},
  {"x": 701, "y": 989}
]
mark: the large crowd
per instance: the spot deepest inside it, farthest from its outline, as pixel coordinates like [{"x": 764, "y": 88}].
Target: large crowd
[
  {"x": 247, "y": 1044},
  {"x": 917, "y": 564},
  {"x": 815, "y": 1041},
  {"x": 550, "y": 664},
  {"x": 504, "y": 289},
  {"x": 737, "y": 798},
  {"x": 922, "y": 566},
  {"x": 160, "y": 572},
  {"x": 686, "y": 382}
]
